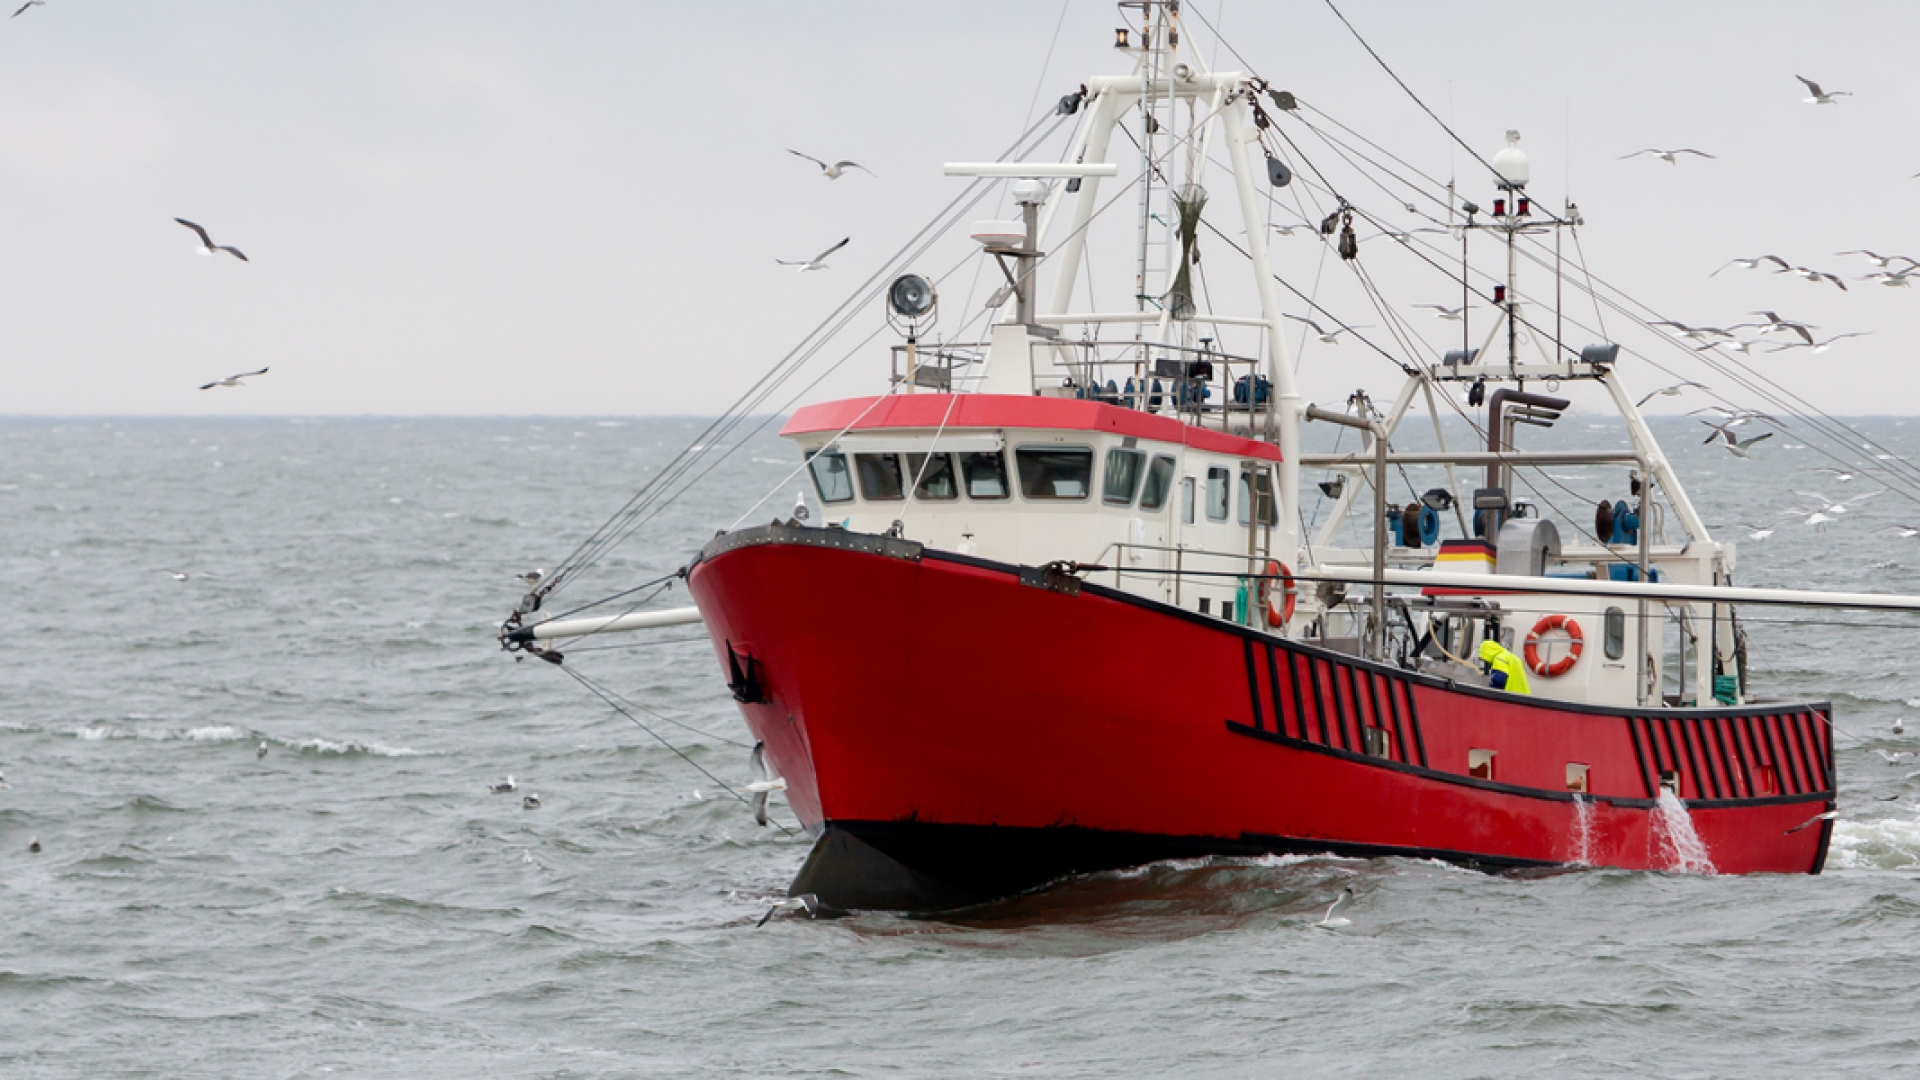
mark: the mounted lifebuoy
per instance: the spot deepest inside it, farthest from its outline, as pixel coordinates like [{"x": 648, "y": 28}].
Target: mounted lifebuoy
[
  {"x": 1565, "y": 663},
  {"x": 1278, "y": 614}
]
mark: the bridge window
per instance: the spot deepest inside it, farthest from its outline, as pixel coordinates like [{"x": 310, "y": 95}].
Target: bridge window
[
  {"x": 1153, "y": 494},
  {"x": 1055, "y": 472},
  {"x": 985, "y": 474},
  {"x": 1123, "y": 476},
  {"x": 880, "y": 479},
  {"x": 1217, "y": 494},
  {"x": 1257, "y": 486},
  {"x": 830, "y": 475},
  {"x": 936, "y": 477}
]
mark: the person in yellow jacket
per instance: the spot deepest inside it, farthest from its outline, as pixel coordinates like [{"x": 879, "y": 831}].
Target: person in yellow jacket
[{"x": 1505, "y": 670}]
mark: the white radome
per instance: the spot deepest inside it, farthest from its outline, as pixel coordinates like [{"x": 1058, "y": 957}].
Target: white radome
[
  {"x": 1511, "y": 163},
  {"x": 1000, "y": 233}
]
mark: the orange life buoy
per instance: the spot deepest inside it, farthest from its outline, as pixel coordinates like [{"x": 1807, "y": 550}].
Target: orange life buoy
[
  {"x": 1278, "y": 614},
  {"x": 1565, "y": 663}
]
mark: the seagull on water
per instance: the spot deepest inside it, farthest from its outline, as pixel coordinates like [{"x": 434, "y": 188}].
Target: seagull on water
[
  {"x": 207, "y": 246},
  {"x": 1669, "y": 391},
  {"x": 261, "y": 750},
  {"x": 1899, "y": 727},
  {"x": 818, "y": 262},
  {"x": 1828, "y": 816},
  {"x": 1893, "y": 758},
  {"x": 186, "y": 575},
  {"x": 806, "y": 902},
  {"x": 1441, "y": 311},
  {"x": 763, "y": 783},
  {"x": 1340, "y": 903},
  {"x": 504, "y": 787},
  {"x": 531, "y": 802},
  {"x": 33, "y": 845},
  {"x": 835, "y": 170},
  {"x": 1820, "y": 97},
  {"x": 25, "y": 6},
  {"x": 1327, "y": 337},
  {"x": 1667, "y": 155},
  {"x": 1754, "y": 264},
  {"x": 233, "y": 380}
]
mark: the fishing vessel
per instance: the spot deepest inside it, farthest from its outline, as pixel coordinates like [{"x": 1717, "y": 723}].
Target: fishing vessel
[{"x": 1052, "y": 601}]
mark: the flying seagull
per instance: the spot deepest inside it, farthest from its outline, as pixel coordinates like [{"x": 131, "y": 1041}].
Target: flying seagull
[
  {"x": 818, "y": 262},
  {"x": 1893, "y": 279},
  {"x": 1669, "y": 391},
  {"x": 1667, "y": 155},
  {"x": 1754, "y": 263},
  {"x": 806, "y": 902},
  {"x": 1440, "y": 311},
  {"x": 25, "y": 6},
  {"x": 504, "y": 787},
  {"x": 1327, "y": 337},
  {"x": 835, "y": 170},
  {"x": 1828, "y": 816},
  {"x": 233, "y": 380},
  {"x": 1739, "y": 447},
  {"x": 1821, "y": 97},
  {"x": 1806, "y": 273},
  {"x": 1817, "y": 347},
  {"x": 1775, "y": 322},
  {"x": 1842, "y": 475},
  {"x": 1340, "y": 903},
  {"x": 1884, "y": 262},
  {"x": 1757, "y": 533},
  {"x": 763, "y": 784},
  {"x": 207, "y": 246}
]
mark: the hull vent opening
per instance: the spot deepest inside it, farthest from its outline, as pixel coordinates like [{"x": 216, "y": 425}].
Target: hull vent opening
[{"x": 1480, "y": 764}]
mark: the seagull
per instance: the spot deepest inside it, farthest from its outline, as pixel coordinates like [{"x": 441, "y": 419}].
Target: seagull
[
  {"x": 1404, "y": 237},
  {"x": 1775, "y": 322},
  {"x": 1884, "y": 262},
  {"x": 1329, "y": 922},
  {"x": 1820, "y": 97},
  {"x": 1829, "y": 506},
  {"x": 1899, "y": 727},
  {"x": 28, "y": 4},
  {"x": 804, "y": 902},
  {"x": 207, "y": 246},
  {"x": 1757, "y": 533},
  {"x": 1327, "y": 337},
  {"x": 233, "y": 380},
  {"x": 1840, "y": 475},
  {"x": 531, "y": 802},
  {"x": 1739, "y": 447},
  {"x": 261, "y": 750},
  {"x": 1289, "y": 230},
  {"x": 1806, "y": 273},
  {"x": 182, "y": 575},
  {"x": 33, "y": 845},
  {"x": 1893, "y": 758},
  {"x": 1669, "y": 391},
  {"x": 835, "y": 170},
  {"x": 763, "y": 784},
  {"x": 1892, "y": 279},
  {"x": 1818, "y": 347},
  {"x": 532, "y": 577},
  {"x": 1742, "y": 347},
  {"x": 818, "y": 262},
  {"x": 1742, "y": 416},
  {"x": 1828, "y": 816},
  {"x": 1451, "y": 314},
  {"x": 1667, "y": 155},
  {"x": 504, "y": 787},
  {"x": 1754, "y": 264}
]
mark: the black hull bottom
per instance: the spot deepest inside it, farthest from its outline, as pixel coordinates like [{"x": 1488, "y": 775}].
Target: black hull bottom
[{"x": 917, "y": 867}]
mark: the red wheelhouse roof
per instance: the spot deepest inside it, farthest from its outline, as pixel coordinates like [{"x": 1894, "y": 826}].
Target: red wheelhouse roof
[{"x": 1008, "y": 411}]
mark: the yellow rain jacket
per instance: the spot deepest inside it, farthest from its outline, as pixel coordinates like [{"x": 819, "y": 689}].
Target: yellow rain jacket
[{"x": 1504, "y": 662}]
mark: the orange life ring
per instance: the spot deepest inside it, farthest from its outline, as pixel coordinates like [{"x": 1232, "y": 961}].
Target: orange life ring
[
  {"x": 1564, "y": 664},
  {"x": 1278, "y": 614}
]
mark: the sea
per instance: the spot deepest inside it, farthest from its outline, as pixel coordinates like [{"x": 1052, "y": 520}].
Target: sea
[{"x": 355, "y": 902}]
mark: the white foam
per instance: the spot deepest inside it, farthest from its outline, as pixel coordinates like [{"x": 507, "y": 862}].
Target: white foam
[
  {"x": 1890, "y": 844},
  {"x": 1680, "y": 846},
  {"x": 157, "y": 733},
  {"x": 374, "y": 749},
  {"x": 1583, "y": 830}
]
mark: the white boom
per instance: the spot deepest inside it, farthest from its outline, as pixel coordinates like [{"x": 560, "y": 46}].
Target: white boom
[{"x": 608, "y": 624}]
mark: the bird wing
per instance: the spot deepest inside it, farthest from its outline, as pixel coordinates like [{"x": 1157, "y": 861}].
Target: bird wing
[
  {"x": 24, "y": 7},
  {"x": 1843, "y": 285},
  {"x": 809, "y": 157},
  {"x": 235, "y": 252},
  {"x": 1749, "y": 442},
  {"x": 1777, "y": 261},
  {"x": 854, "y": 165},
  {"x": 758, "y": 760},
  {"x": 209, "y": 386},
  {"x": 1801, "y": 330},
  {"x": 250, "y": 374},
  {"x": 1309, "y": 322},
  {"x": 831, "y": 250},
  {"x": 1812, "y": 87},
  {"x": 1696, "y": 153},
  {"x": 198, "y": 231}
]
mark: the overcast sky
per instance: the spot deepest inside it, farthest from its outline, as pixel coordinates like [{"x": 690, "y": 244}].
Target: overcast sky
[{"x": 574, "y": 207}]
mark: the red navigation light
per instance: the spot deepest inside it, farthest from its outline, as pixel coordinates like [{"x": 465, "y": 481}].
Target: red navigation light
[
  {"x": 1499, "y": 208},
  {"x": 1499, "y": 294},
  {"x": 1526, "y": 206}
]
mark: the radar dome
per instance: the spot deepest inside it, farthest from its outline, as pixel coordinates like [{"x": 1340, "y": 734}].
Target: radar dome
[{"x": 1511, "y": 163}]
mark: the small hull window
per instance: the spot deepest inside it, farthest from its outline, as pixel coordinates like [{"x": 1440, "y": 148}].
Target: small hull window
[
  {"x": 831, "y": 477},
  {"x": 1153, "y": 494},
  {"x": 880, "y": 479},
  {"x": 1055, "y": 472},
  {"x": 936, "y": 477},
  {"x": 1123, "y": 476},
  {"x": 985, "y": 475}
]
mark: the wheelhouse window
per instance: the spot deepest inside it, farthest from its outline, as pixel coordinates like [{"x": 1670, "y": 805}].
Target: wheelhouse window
[
  {"x": 1217, "y": 494},
  {"x": 1153, "y": 494},
  {"x": 936, "y": 477},
  {"x": 1257, "y": 486},
  {"x": 1123, "y": 476},
  {"x": 880, "y": 479},
  {"x": 1055, "y": 472},
  {"x": 830, "y": 475},
  {"x": 985, "y": 475}
]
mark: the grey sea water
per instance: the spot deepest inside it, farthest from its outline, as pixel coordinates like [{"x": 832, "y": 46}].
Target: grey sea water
[{"x": 355, "y": 904}]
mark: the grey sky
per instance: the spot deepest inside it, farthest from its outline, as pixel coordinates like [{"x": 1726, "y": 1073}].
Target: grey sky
[{"x": 480, "y": 207}]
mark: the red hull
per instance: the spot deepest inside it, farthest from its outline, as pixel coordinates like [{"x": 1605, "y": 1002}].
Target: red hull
[{"x": 955, "y": 733}]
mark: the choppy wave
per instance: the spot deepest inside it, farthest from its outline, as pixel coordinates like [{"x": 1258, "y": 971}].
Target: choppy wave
[{"x": 1887, "y": 844}]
